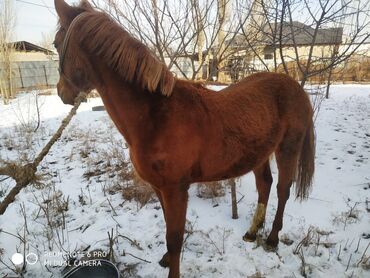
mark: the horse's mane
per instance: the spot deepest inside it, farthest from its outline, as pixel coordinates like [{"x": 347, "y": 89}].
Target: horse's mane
[{"x": 131, "y": 59}]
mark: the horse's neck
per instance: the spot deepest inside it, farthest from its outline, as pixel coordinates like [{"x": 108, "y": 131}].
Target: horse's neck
[{"x": 128, "y": 111}]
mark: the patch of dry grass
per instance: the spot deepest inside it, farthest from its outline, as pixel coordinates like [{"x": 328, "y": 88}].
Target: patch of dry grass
[{"x": 210, "y": 190}]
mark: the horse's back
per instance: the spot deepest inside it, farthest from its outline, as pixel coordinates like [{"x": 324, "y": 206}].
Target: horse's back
[
  {"x": 266, "y": 82},
  {"x": 289, "y": 96}
]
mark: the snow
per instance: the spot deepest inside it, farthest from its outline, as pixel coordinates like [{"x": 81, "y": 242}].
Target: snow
[{"x": 336, "y": 214}]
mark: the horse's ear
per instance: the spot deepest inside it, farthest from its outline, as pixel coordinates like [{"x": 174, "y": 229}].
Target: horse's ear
[
  {"x": 65, "y": 12},
  {"x": 86, "y": 5}
]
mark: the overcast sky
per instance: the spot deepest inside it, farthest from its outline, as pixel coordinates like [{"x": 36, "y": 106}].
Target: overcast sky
[{"x": 33, "y": 20}]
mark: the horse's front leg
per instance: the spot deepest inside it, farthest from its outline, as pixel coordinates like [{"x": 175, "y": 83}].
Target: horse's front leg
[
  {"x": 174, "y": 201},
  {"x": 165, "y": 261}
]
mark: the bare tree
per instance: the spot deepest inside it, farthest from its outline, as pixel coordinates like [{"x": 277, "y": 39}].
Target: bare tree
[
  {"x": 187, "y": 35},
  {"x": 336, "y": 27},
  {"x": 350, "y": 17},
  {"x": 7, "y": 25},
  {"x": 47, "y": 42}
]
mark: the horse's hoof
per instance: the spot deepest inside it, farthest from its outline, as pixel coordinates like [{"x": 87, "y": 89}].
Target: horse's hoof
[
  {"x": 271, "y": 244},
  {"x": 165, "y": 261},
  {"x": 249, "y": 237}
]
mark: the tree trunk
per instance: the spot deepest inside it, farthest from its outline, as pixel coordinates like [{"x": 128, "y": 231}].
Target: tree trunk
[
  {"x": 223, "y": 17},
  {"x": 328, "y": 83}
]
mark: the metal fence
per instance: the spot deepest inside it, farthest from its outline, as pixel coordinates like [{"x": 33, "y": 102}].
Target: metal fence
[{"x": 33, "y": 74}]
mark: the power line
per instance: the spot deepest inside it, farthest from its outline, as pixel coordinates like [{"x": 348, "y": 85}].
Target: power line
[
  {"x": 49, "y": 9},
  {"x": 39, "y": 5},
  {"x": 35, "y": 4}
]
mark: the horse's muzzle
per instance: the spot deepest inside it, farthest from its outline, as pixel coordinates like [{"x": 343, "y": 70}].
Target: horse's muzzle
[{"x": 63, "y": 96}]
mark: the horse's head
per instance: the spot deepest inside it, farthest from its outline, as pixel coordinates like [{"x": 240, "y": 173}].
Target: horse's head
[{"x": 75, "y": 70}]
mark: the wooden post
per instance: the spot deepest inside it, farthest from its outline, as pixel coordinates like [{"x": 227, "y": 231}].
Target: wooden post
[
  {"x": 234, "y": 205},
  {"x": 46, "y": 77},
  {"x": 20, "y": 76}
]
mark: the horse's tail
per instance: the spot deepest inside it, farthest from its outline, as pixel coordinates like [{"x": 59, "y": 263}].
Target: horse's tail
[{"x": 306, "y": 164}]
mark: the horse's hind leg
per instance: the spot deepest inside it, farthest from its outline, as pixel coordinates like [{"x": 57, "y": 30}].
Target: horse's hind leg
[
  {"x": 286, "y": 158},
  {"x": 263, "y": 182}
]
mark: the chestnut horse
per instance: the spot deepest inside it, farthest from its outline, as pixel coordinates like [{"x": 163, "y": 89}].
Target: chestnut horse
[{"x": 177, "y": 131}]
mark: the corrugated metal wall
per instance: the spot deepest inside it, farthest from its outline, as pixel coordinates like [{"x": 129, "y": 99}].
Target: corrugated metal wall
[{"x": 33, "y": 74}]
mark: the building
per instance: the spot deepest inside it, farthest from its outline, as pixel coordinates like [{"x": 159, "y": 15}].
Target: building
[
  {"x": 26, "y": 51},
  {"x": 262, "y": 52},
  {"x": 29, "y": 67}
]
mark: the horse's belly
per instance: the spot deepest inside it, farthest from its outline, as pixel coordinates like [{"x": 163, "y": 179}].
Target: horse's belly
[
  {"x": 235, "y": 164},
  {"x": 220, "y": 170}
]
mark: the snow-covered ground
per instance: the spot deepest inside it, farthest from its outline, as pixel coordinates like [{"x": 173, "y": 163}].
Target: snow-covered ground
[{"x": 71, "y": 210}]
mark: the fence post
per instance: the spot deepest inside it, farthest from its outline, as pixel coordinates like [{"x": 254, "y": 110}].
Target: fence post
[
  {"x": 46, "y": 77},
  {"x": 20, "y": 76}
]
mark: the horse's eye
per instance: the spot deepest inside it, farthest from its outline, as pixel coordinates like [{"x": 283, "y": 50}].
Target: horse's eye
[{"x": 55, "y": 44}]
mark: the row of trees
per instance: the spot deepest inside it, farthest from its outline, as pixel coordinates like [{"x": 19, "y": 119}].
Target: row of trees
[{"x": 213, "y": 31}]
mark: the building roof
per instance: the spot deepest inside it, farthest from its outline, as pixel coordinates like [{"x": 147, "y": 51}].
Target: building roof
[
  {"x": 27, "y": 47},
  {"x": 295, "y": 33},
  {"x": 302, "y": 34}
]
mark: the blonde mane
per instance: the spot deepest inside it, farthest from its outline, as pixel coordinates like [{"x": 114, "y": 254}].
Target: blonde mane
[{"x": 126, "y": 55}]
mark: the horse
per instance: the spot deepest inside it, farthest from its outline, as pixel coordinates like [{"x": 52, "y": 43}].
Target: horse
[{"x": 179, "y": 132}]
